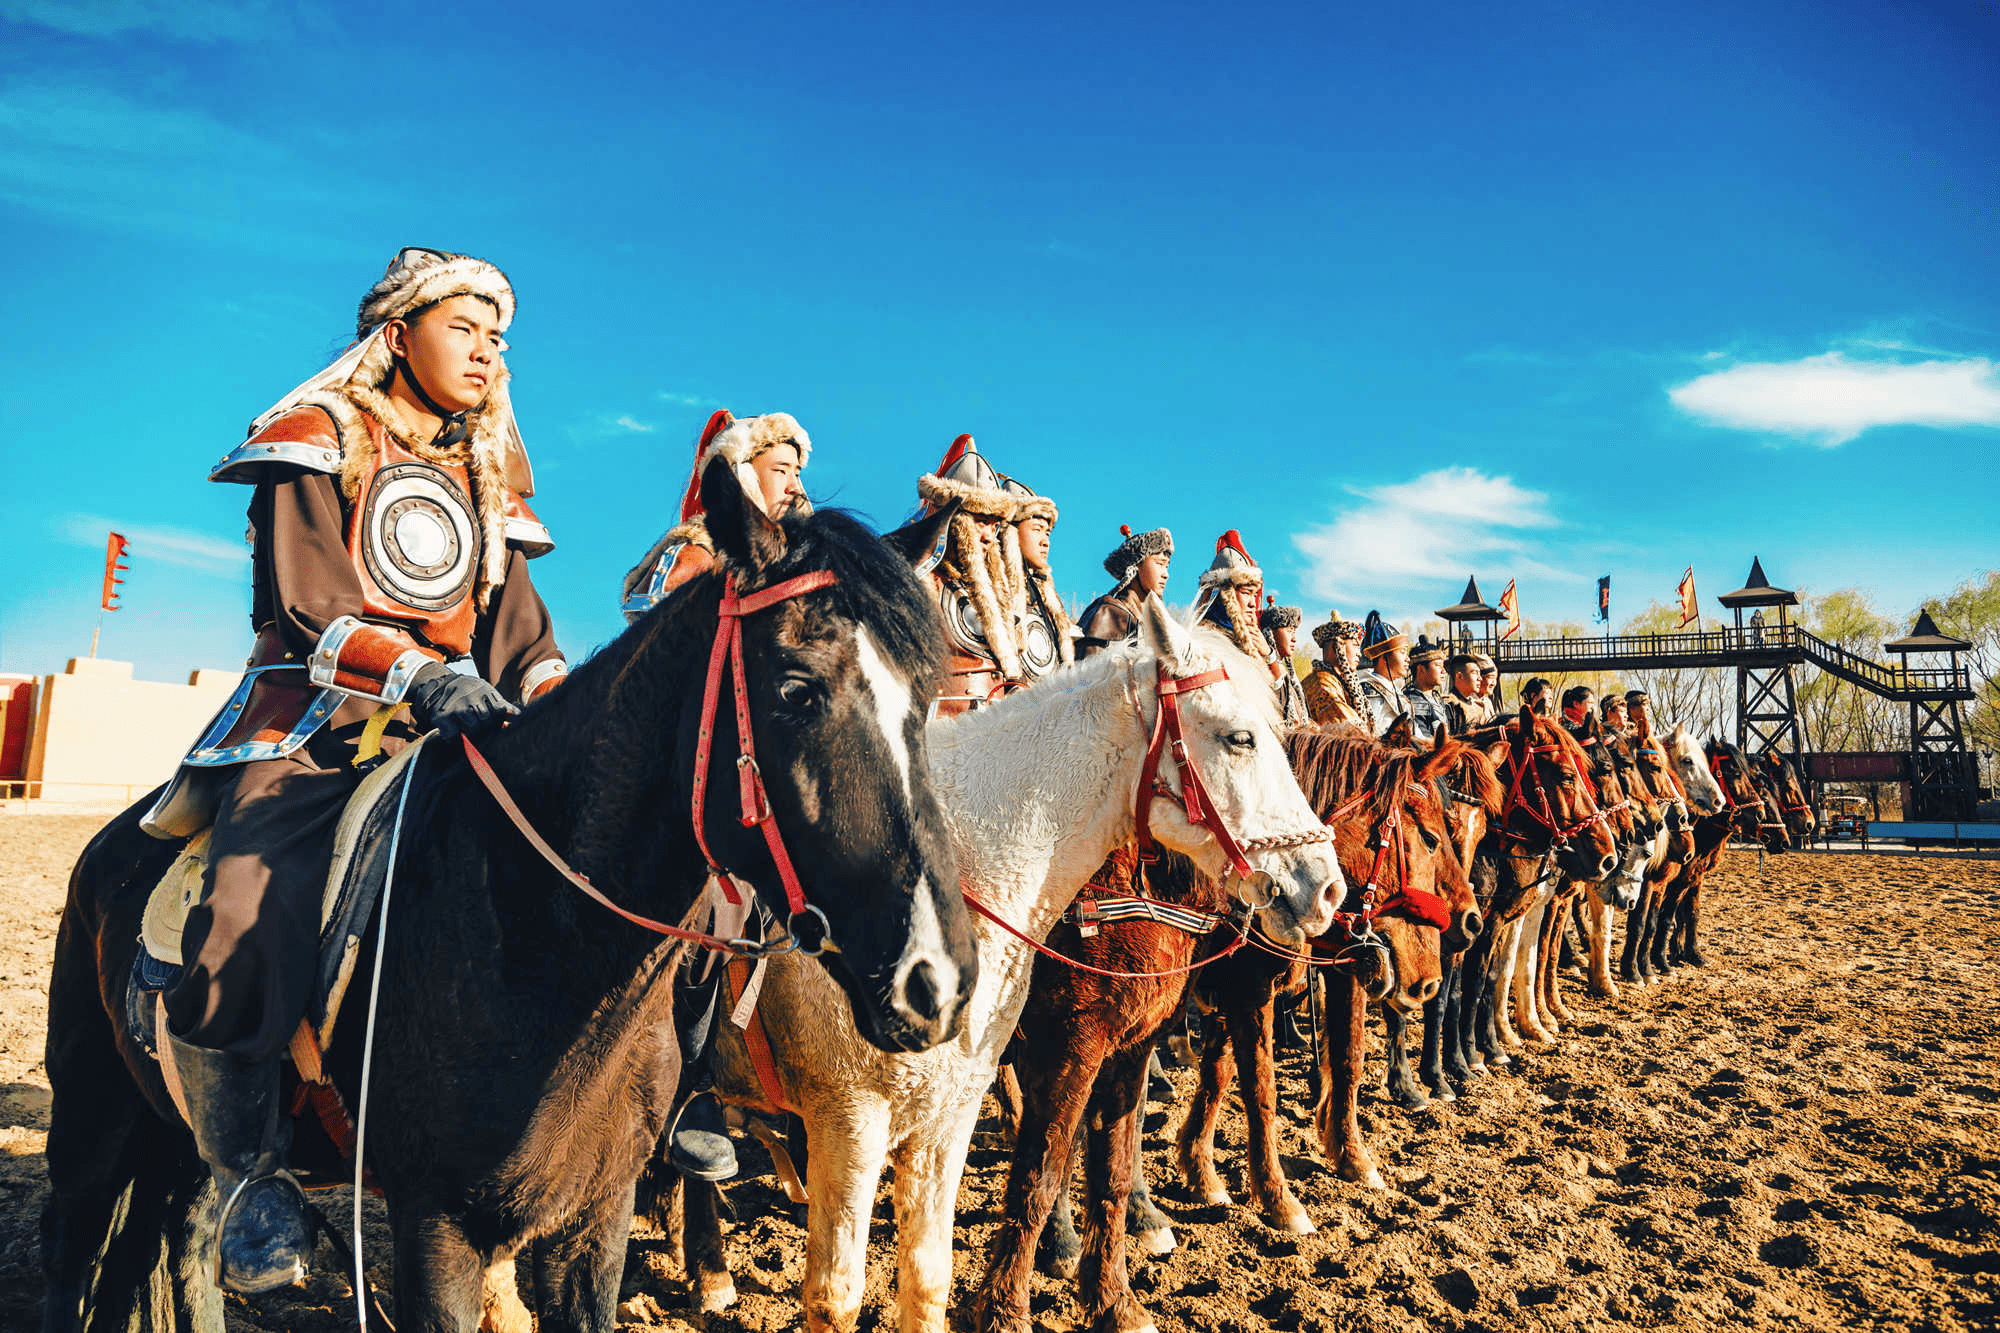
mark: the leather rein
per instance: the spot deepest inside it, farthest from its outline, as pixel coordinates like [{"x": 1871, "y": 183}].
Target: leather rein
[{"x": 755, "y": 802}]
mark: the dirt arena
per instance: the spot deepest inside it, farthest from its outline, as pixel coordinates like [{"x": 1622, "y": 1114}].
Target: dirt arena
[{"x": 1804, "y": 1135}]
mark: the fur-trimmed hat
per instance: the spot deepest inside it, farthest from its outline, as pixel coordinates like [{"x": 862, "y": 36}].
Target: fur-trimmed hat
[
  {"x": 740, "y": 440},
  {"x": 1027, "y": 504},
  {"x": 1378, "y": 636},
  {"x": 965, "y": 476},
  {"x": 1278, "y": 617},
  {"x": 1427, "y": 649},
  {"x": 418, "y": 277},
  {"x": 1123, "y": 563},
  {"x": 1335, "y": 628},
  {"x": 1026, "y": 575},
  {"x": 1232, "y": 566}
]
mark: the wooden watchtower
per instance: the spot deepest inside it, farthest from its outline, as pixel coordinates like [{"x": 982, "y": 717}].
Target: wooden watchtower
[
  {"x": 1941, "y": 777},
  {"x": 1767, "y": 715},
  {"x": 1470, "y": 611}
]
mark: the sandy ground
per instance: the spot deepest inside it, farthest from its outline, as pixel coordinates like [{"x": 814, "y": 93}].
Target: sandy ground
[{"x": 1804, "y": 1135}]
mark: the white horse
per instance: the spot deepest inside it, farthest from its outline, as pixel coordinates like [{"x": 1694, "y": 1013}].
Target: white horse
[{"x": 1038, "y": 790}]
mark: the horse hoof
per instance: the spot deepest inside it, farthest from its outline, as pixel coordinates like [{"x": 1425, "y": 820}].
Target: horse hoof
[
  {"x": 1291, "y": 1217},
  {"x": 1158, "y": 1241},
  {"x": 716, "y": 1294},
  {"x": 1373, "y": 1180},
  {"x": 1218, "y": 1195}
]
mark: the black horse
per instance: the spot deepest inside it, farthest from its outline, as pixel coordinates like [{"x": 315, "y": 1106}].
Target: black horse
[{"x": 525, "y": 1057}]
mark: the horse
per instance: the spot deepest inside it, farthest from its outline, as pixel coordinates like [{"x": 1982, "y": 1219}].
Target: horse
[
  {"x": 1670, "y": 933},
  {"x": 1622, "y": 891},
  {"x": 1781, "y": 774},
  {"x": 527, "y": 1058},
  {"x": 1674, "y": 770},
  {"x": 1476, "y": 804},
  {"x": 1039, "y": 789},
  {"x": 1395, "y": 842}
]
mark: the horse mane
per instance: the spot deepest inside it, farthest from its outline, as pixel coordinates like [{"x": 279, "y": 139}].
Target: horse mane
[
  {"x": 1337, "y": 761},
  {"x": 1473, "y": 774}
]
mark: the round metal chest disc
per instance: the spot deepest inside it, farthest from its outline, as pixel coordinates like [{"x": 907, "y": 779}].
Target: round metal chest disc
[{"x": 419, "y": 539}]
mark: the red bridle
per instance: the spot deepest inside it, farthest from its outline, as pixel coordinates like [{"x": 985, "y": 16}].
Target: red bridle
[
  {"x": 756, "y": 804},
  {"x": 1193, "y": 797},
  {"x": 1519, "y": 763}
]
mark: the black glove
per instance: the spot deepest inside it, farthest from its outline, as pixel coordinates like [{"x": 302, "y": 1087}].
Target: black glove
[{"x": 443, "y": 700}]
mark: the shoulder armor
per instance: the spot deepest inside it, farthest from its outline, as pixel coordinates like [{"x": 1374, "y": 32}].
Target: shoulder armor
[
  {"x": 523, "y": 529},
  {"x": 303, "y": 437}
]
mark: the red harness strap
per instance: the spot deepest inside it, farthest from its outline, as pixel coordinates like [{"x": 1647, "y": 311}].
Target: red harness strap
[
  {"x": 756, "y": 804},
  {"x": 1193, "y": 796}
]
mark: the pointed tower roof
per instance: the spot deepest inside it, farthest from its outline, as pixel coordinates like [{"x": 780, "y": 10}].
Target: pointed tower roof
[
  {"x": 1926, "y": 637},
  {"x": 1470, "y": 607},
  {"x": 1757, "y": 591}
]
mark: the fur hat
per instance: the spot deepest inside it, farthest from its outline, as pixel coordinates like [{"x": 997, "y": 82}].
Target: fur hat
[
  {"x": 1123, "y": 563},
  {"x": 1027, "y": 504},
  {"x": 966, "y": 476},
  {"x": 1232, "y": 566},
  {"x": 1378, "y": 636},
  {"x": 485, "y": 439},
  {"x": 740, "y": 440},
  {"x": 1279, "y": 617},
  {"x": 1335, "y": 628},
  {"x": 1427, "y": 649}
]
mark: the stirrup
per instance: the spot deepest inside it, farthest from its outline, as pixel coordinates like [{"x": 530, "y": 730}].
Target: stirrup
[
  {"x": 697, "y": 1150},
  {"x": 271, "y": 1210}
]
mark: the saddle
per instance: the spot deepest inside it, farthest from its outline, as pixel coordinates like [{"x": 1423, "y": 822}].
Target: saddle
[{"x": 354, "y": 882}]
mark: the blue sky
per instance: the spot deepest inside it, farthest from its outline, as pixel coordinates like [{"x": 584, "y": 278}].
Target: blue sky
[{"x": 1403, "y": 293}]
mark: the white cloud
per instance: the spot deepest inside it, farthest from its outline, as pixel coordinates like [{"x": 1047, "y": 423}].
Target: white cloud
[
  {"x": 688, "y": 399},
  {"x": 1829, "y": 399},
  {"x": 627, "y": 423},
  {"x": 174, "y": 546},
  {"x": 203, "y": 21},
  {"x": 1429, "y": 531}
]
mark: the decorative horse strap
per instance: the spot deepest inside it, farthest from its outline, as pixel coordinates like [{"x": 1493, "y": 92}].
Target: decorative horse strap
[
  {"x": 1519, "y": 765},
  {"x": 756, "y": 805},
  {"x": 1715, "y": 767}
]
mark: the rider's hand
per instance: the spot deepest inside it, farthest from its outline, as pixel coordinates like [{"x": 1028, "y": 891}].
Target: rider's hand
[{"x": 441, "y": 699}]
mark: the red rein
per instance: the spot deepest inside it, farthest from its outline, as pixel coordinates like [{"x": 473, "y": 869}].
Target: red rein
[{"x": 756, "y": 804}]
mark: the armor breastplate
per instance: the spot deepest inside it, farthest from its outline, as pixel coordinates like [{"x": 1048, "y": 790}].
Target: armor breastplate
[
  {"x": 1039, "y": 654},
  {"x": 415, "y": 542},
  {"x": 961, "y": 622}
]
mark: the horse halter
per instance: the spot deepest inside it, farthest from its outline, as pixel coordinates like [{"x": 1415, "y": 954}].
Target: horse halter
[
  {"x": 1193, "y": 796},
  {"x": 1519, "y": 763},
  {"x": 1423, "y": 904},
  {"x": 756, "y": 803}
]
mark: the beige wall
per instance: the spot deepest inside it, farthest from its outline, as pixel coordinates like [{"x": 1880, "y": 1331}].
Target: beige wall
[{"x": 101, "y": 735}]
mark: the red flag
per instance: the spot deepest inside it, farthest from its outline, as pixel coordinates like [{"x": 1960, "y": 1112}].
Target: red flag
[
  {"x": 114, "y": 551},
  {"x": 1511, "y": 605},
  {"x": 1690, "y": 607}
]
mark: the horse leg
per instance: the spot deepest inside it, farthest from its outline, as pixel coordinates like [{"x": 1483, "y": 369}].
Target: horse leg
[
  {"x": 1598, "y": 916},
  {"x": 1338, "y": 1116},
  {"x": 439, "y": 1278},
  {"x": 1052, "y": 1107},
  {"x": 1197, "y": 1136},
  {"x": 1447, "y": 1061},
  {"x": 1635, "y": 931},
  {"x": 1488, "y": 1014},
  {"x": 1397, "y": 1079},
  {"x": 844, "y": 1169},
  {"x": 1661, "y": 927},
  {"x": 1521, "y": 976},
  {"x": 578, "y": 1270},
  {"x": 1250, "y": 1031},
  {"x": 1117, "y": 1106},
  {"x": 1144, "y": 1222},
  {"x": 1551, "y": 992},
  {"x": 704, "y": 1261},
  {"x": 1471, "y": 985},
  {"x": 1430, "y": 1060},
  {"x": 926, "y": 1194},
  {"x": 1690, "y": 922},
  {"x": 1505, "y": 958},
  {"x": 1060, "y": 1246},
  {"x": 1007, "y": 1092}
]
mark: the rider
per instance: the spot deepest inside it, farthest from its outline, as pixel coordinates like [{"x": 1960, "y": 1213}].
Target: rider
[
  {"x": 1388, "y": 652},
  {"x": 1140, "y": 564},
  {"x": 390, "y": 544},
  {"x": 1281, "y": 626},
  {"x": 1464, "y": 706},
  {"x": 1332, "y": 694},
  {"x": 1046, "y": 635},
  {"x": 1426, "y": 700},
  {"x": 970, "y": 579},
  {"x": 1232, "y": 599},
  {"x": 769, "y": 453}
]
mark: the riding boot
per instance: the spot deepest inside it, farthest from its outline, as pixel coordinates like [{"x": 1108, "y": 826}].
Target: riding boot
[
  {"x": 698, "y": 1144},
  {"x": 262, "y": 1235},
  {"x": 1285, "y": 1031}
]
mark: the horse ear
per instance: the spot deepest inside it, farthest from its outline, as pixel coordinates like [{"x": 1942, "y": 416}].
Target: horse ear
[
  {"x": 916, "y": 541},
  {"x": 740, "y": 529},
  {"x": 1162, "y": 634},
  {"x": 1397, "y": 733}
]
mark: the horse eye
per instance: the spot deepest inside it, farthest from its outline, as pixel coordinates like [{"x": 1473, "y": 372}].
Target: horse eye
[
  {"x": 798, "y": 692},
  {"x": 1242, "y": 740}
]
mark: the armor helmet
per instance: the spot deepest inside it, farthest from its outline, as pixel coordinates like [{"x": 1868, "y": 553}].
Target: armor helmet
[
  {"x": 740, "y": 440},
  {"x": 965, "y": 475},
  {"x": 1232, "y": 566},
  {"x": 1027, "y": 504},
  {"x": 1378, "y": 636}
]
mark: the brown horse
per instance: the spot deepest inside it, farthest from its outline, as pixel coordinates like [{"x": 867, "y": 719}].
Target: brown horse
[
  {"x": 1684, "y": 791},
  {"x": 1670, "y": 937},
  {"x": 1393, "y": 834}
]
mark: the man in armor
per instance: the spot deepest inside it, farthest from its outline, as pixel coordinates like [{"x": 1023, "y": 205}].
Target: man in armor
[
  {"x": 1388, "y": 652},
  {"x": 1464, "y": 706},
  {"x": 1427, "y": 711},
  {"x": 1139, "y": 564},
  {"x": 390, "y": 545},
  {"x": 1489, "y": 685},
  {"x": 1332, "y": 693},
  {"x": 1046, "y": 636},
  {"x": 970, "y": 579},
  {"x": 1281, "y": 626},
  {"x": 769, "y": 453}
]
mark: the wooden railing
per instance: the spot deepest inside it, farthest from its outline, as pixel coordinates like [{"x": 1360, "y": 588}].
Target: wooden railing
[{"x": 1731, "y": 646}]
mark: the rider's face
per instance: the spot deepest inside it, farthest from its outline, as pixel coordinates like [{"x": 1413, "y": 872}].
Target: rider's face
[
  {"x": 988, "y": 530},
  {"x": 1249, "y": 598},
  {"x": 452, "y": 350},
  {"x": 777, "y": 470},
  {"x": 1035, "y": 540},
  {"x": 1153, "y": 572}
]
